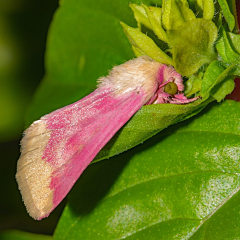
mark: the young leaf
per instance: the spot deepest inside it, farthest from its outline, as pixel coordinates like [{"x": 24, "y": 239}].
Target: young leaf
[
  {"x": 193, "y": 45},
  {"x": 154, "y": 15},
  {"x": 175, "y": 13},
  {"x": 234, "y": 41},
  {"x": 145, "y": 45},
  {"x": 227, "y": 14},
  {"x": 213, "y": 75},
  {"x": 220, "y": 91},
  {"x": 208, "y": 9},
  {"x": 194, "y": 84},
  {"x": 140, "y": 15},
  {"x": 225, "y": 49}
]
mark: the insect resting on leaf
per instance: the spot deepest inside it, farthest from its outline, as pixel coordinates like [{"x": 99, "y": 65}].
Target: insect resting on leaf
[{"x": 56, "y": 149}]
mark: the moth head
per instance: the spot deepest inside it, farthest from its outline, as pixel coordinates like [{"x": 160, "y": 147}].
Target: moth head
[{"x": 171, "y": 80}]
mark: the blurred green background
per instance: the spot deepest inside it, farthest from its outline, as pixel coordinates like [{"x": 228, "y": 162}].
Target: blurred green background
[{"x": 23, "y": 31}]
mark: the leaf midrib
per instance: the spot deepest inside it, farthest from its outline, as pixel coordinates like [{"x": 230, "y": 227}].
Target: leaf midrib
[{"x": 215, "y": 210}]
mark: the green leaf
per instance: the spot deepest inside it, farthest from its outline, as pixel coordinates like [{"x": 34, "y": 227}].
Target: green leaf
[
  {"x": 227, "y": 13},
  {"x": 234, "y": 41},
  {"x": 208, "y": 9},
  {"x": 175, "y": 13},
  {"x": 233, "y": 8},
  {"x": 193, "y": 45},
  {"x": 193, "y": 84},
  {"x": 150, "y": 17},
  {"x": 204, "y": 8},
  {"x": 140, "y": 15},
  {"x": 154, "y": 15},
  {"x": 220, "y": 91},
  {"x": 213, "y": 81},
  {"x": 145, "y": 45},
  {"x": 20, "y": 235},
  {"x": 182, "y": 183},
  {"x": 225, "y": 48},
  {"x": 214, "y": 70}
]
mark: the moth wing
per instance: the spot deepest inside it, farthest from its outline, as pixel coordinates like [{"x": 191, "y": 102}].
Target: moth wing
[{"x": 57, "y": 148}]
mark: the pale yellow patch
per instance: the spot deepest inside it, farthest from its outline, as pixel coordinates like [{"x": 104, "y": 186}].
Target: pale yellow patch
[{"x": 33, "y": 173}]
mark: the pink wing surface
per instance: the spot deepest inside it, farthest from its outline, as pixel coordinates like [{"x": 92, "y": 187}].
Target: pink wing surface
[{"x": 57, "y": 148}]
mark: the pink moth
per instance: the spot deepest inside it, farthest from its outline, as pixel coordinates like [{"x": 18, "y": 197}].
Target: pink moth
[{"x": 56, "y": 149}]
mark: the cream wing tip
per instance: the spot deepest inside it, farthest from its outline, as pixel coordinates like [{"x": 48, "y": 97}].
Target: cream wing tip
[{"x": 34, "y": 173}]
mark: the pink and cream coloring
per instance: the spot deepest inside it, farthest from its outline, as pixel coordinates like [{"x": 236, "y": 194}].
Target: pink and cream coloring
[{"x": 56, "y": 149}]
